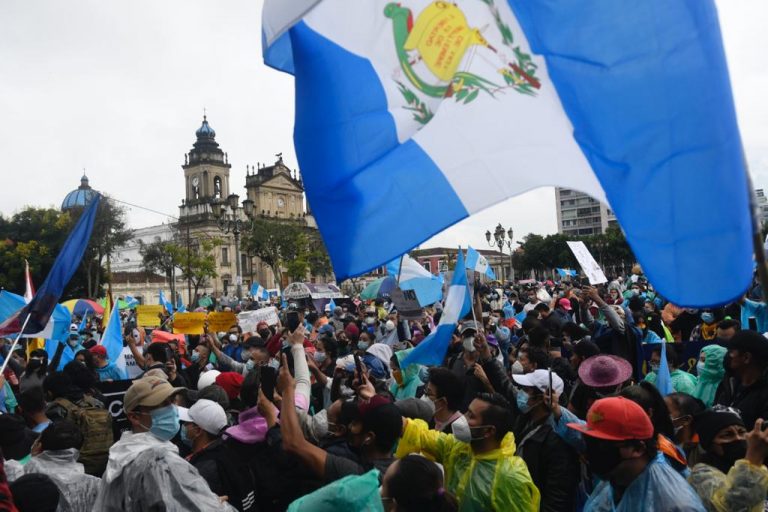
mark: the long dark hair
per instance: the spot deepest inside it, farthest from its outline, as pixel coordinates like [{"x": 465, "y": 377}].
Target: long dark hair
[{"x": 417, "y": 485}]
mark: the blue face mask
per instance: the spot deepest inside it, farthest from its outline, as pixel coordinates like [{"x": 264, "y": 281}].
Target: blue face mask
[
  {"x": 165, "y": 422},
  {"x": 707, "y": 318},
  {"x": 700, "y": 367},
  {"x": 184, "y": 439},
  {"x": 195, "y": 357},
  {"x": 250, "y": 365},
  {"x": 522, "y": 401},
  {"x": 362, "y": 345}
]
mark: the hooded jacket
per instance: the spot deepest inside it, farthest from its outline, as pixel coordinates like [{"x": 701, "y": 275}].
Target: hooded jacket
[
  {"x": 411, "y": 380},
  {"x": 78, "y": 490},
  {"x": 712, "y": 374},
  {"x": 145, "y": 473}
]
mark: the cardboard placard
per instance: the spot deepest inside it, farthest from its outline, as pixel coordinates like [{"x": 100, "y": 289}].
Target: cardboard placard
[
  {"x": 221, "y": 321},
  {"x": 189, "y": 323},
  {"x": 249, "y": 319},
  {"x": 127, "y": 362},
  {"x": 114, "y": 392},
  {"x": 148, "y": 315},
  {"x": 407, "y": 304},
  {"x": 588, "y": 264}
]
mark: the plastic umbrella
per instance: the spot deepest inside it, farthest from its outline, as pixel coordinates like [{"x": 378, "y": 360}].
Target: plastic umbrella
[
  {"x": 379, "y": 289},
  {"x": 82, "y": 307}
]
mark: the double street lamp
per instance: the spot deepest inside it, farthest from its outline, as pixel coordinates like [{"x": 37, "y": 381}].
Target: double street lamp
[
  {"x": 230, "y": 221},
  {"x": 502, "y": 238}
]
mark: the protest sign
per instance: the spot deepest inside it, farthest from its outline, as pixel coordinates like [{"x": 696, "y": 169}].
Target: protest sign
[
  {"x": 113, "y": 393},
  {"x": 221, "y": 321},
  {"x": 407, "y": 304},
  {"x": 148, "y": 315},
  {"x": 588, "y": 264},
  {"x": 127, "y": 362},
  {"x": 188, "y": 323},
  {"x": 249, "y": 319}
]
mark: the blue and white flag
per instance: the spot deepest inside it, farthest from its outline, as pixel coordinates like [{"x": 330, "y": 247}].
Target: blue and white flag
[
  {"x": 331, "y": 305},
  {"x": 112, "y": 339},
  {"x": 412, "y": 115},
  {"x": 131, "y": 301},
  {"x": 565, "y": 272},
  {"x": 458, "y": 302},
  {"x": 259, "y": 292},
  {"x": 180, "y": 307},
  {"x": 663, "y": 377},
  {"x": 164, "y": 302},
  {"x": 427, "y": 286},
  {"x": 479, "y": 263}
]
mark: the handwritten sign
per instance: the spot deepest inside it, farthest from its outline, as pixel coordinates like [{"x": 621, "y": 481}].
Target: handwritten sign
[
  {"x": 249, "y": 319},
  {"x": 588, "y": 264},
  {"x": 148, "y": 315},
  {"x": 127, "y": 363},
  {"x": 407, "y": 304},
  {"x": 188, "y": 323},
  {"x": 221, "y": 321}
]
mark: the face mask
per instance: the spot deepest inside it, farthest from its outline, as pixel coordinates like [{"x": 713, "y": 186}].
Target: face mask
[
  {"x": 463, "y": 432},
  {"x": 522, "y": 401},
  {"x": 707, "y": 318},
  {"x": 274, "y": 363},
  {"x": 602, "y": 458},
  {"x": 72, "y": 342},
  {"x": 165, "y": 422},
  {"x": 320, "y": 357},
  {"x": 517, "y": 368},
  {"x": 195, "y": 357},
  {"x": 700, "y": 367},
  {"x": 34, "y": 364},
  {"x": 468, "y": 344},
  {"x": 734, "y": 451},
  {"x": 369, "y": 320},
  {"x": 362, "y": 345},
  {"x": 265, "y": 333},
  {"x": 245, "y": 355},
  {"x": 655, "y": 367},
  {"x": 389, "y": 326},
  {"x": 233, "y": 338},
  {"x": 184, "y": 438},
  {"x": 250, "y": 365}
]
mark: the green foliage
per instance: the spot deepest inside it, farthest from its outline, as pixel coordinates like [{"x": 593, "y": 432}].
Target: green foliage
[
  {"x": 164, "y": 258},
  {"x": 199, "y": 263}
]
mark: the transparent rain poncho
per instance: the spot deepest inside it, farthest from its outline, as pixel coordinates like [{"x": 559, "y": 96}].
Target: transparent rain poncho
[{"x": 78, "y": 490}]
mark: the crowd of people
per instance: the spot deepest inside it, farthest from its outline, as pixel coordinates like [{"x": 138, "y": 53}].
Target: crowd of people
[{"x": 546, "y": 399}]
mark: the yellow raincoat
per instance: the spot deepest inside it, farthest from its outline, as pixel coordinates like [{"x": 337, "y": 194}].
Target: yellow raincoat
[{"x": 496, "y": 480}]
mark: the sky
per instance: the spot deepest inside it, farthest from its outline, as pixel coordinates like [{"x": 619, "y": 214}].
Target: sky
[{"x": 118, "y": 89}]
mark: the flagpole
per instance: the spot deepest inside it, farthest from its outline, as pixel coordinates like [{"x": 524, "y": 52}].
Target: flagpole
[
  {"x": 757, "y": 239},
  {"x": 400, "y": 269},
  {"x": 15, "y": 342}
]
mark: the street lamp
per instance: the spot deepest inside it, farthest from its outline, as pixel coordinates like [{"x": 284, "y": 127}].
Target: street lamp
[
  {"x": 229, "y": 221},
  {"x": 502, "y": 238}
]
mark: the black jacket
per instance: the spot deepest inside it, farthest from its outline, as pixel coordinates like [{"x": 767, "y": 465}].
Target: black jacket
[
  {"x": 752, "y": 400},
  {"x": 226, "y": 475},
  {"x": 472, "y": 385},
  {"x": 554, "y": 466}
]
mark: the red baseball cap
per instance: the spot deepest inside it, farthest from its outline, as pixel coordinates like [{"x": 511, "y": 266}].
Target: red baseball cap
[
  {"x": 616, "y": 419},
  {"x": 565, "y": 304},
  {"x": 98, "y": 350}
]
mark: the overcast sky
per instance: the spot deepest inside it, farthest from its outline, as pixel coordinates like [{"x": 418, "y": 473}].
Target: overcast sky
[{"x": 118, "y": 88}]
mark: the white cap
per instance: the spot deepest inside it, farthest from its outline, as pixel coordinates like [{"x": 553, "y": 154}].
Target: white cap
[
  {"x": 206, "y": 414},
  {"x": 540, "y": 379},
  {"x": 74, "y": 328},
  {"x": 207, "y": 378}
]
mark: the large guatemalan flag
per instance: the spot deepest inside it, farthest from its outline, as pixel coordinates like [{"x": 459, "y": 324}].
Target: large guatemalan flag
[{"x": 413, "y": 115}]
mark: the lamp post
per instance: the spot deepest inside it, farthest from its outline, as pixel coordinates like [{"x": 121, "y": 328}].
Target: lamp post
[
  {"x": 503, "y": 238},
  {"x": 229, "y": 221}
]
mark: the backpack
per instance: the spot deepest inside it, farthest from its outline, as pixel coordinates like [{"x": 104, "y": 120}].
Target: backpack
[{"x": 95, "y": 423}]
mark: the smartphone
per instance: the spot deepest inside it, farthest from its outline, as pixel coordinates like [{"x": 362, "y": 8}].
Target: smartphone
[
  {"x": 289, "y": 358},
  {"x": 267, "y": 378},
  {"x": 292, "y": 320},
  {"x": 359, "y": 367},
  {"x": 752, "y": 323}
]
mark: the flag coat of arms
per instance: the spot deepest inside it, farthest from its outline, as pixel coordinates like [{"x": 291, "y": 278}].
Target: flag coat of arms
[
  {"x": 479, "y": 263},
  {"x": 419, "y": 113}
]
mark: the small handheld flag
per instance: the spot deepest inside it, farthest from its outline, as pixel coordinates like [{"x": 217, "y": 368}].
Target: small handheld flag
[{"x": 479, "y": 263}]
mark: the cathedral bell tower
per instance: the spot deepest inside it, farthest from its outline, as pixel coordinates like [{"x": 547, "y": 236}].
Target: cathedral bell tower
[{"x": 206, "y": 170}]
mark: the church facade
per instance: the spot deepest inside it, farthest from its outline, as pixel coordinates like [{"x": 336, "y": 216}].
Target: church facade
[{"x": 275, "y": 191}]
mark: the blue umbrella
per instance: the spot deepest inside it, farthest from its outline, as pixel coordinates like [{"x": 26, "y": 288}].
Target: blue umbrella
[{"x": 379, "y": 289}]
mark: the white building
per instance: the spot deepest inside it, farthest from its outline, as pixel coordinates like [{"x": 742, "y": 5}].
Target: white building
[{"x": 579, "y": 214}]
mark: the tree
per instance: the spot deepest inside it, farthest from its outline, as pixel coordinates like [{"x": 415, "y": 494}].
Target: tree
[
  {"x": 199, "y": 265},
  {"x": 164, "y": 258}
]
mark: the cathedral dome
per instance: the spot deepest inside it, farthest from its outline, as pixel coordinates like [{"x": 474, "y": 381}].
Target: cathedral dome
[
  {"x": 80, "y": 197},
  {"x": 205, "y": 130}
]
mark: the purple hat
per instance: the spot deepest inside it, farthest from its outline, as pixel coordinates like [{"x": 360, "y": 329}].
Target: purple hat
[
  {"x": 491, "y": 339},
  {"x": 602, "y": 371}
]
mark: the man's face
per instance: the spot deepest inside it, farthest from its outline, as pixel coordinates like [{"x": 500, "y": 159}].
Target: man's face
[
  {"x": 726, "y": 334},
  {"x": 532, "y": 297},
  {"x": 738, "y": 359},
  {"x": 527, "y": 365},
  {"x": 575, "y": 361}
]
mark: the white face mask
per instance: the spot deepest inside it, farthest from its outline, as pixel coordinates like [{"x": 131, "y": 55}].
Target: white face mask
[
  {"x": 370, "y": 320},
  {"x": 461, "y": 429},
  {"x": 389, "y": 326},
  {"x": 469, "y": 344},
  {"x": 233, "y": 338}
]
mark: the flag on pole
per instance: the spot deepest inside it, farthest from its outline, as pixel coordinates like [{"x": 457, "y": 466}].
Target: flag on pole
[
  {"x": 417, "y": 114},
  {"x": 29, "y": 288},
  {"x": 458, "y": 302},
  {"x": 663, "y": 376},
  {"x": 259, "y": 292},
  {"x": 165, "y": 302},
  {"x": 428, "y": 287},
  {"x": 332, "y": 305},
  {"x": 83, "y": 323},
  {"x": 42, "y": 304},
  {"x": 112, "y": 339},
  {"x": 106, "y": 316},
  {"x": 180, "y": 307},
  {"x": 479, "y": 263},
  {"x": 565, "y": 272}
]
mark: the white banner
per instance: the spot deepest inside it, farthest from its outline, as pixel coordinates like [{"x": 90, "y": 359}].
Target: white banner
[
  {"x": 127, "y": 363},
  {"x": 588, "y": 264},
  {"x": 249, "y": 319}
]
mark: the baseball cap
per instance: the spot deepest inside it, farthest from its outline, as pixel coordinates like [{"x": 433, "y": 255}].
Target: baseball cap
[
  {"x": 73, "y": 328},
  {"x": 326, "y": 329},
  {"x": 539, "y": 379},
  {"x": 470, "y": 325},
  {"x": 616, "y": 419},
  {"x": 565, "y": 304},
  {"x": 98, "y": 350},
  {"x": 231, "y": 382},
  {"x": 148, "y": 392},
  {"x": 206, "y": 414},
  {"x": 207, "y": 378}
]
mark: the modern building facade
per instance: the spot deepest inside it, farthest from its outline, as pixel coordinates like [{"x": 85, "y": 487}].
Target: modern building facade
[{"x": 579, "y": 214}]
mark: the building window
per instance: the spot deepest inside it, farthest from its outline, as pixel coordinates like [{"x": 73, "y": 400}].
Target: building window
[
  {"x": 217, "y": 187},
  {"x": 225, "y": 256},
  {"x": 226, "y": 285},
  {"x": 427, "y": 265}
]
